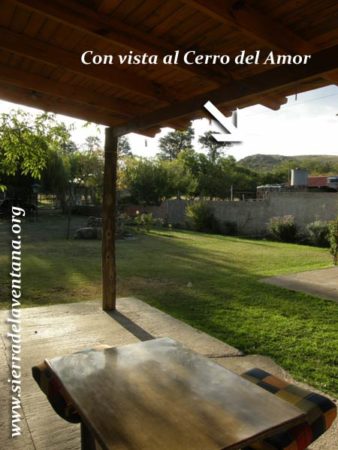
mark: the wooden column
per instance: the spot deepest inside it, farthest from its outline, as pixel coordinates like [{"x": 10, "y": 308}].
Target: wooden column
[{"x": 109, "y": 222}]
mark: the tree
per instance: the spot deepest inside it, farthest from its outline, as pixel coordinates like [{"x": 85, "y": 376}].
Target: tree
[
  {"x": 92, "y": 143},
  {"x": 55, "y": 177},
  {"x": 214, "y": 147},
  {"x": 181, "y": 181},
  {"x": 151, "y": 181},
  {"x": 146, "y": 180},
  {"x": 26, "y": 142},
  {"x": 215, "y": 179},
  {"x": 69, "y": 147},
  {"x": 86, "y": 173},
  {"x": 123, "y": 147},
  {"x": 173, "y": 143}
]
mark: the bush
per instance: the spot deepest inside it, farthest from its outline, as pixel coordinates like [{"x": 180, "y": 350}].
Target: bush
[
  {"x": 283, "y": 228},
  {"x": 144, "y": 221},
  {"x": 201, "y": 217},
  {"x": 333, "y": 239},
  {"x": 318, "y": 233}
]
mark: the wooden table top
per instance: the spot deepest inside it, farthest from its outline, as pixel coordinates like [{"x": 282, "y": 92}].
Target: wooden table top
[{"x": 160, "y": 395}]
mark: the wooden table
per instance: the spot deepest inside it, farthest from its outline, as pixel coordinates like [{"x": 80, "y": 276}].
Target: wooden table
[{"x": 159, "y": 395}]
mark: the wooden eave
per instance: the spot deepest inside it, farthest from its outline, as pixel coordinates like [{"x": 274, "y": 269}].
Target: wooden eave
[{"x": 41, "y": 43}]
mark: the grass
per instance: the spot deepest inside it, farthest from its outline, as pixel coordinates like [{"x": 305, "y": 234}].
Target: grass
[{"x": 211, "y": 282}]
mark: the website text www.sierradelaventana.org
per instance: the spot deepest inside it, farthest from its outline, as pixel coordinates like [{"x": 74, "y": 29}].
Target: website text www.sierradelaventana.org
[{"x": 14, "y": 323}]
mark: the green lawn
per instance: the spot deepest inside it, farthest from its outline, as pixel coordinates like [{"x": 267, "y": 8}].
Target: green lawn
[{"x": 209, "y": 281}]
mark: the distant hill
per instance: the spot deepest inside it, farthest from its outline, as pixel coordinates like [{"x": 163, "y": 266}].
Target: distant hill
[
  {"x": 316, "y": 164},
  {"x": 263, "y": 163}
]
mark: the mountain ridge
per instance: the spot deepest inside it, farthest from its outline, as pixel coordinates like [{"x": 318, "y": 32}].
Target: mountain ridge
[{"x": 316, "y": 164}]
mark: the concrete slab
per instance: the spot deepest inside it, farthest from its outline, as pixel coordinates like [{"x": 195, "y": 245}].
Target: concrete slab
[
  {"x": 321, "y": 283},
  {"x": 160, "y": 324},
  {"x": 61, "y": 329}
]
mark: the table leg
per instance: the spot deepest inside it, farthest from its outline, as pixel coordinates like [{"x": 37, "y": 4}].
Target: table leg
[{"x": 87, "y": 439}]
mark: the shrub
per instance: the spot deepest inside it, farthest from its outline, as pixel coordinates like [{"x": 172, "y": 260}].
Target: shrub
[
  {"x": 318, "y": 233},
  {"x": 158, "y": 223},
  {"x": 201, "y": 217},
  {"x": 283, "y": 228},
  {"x": 144, "y": 221},
  {"x": 333, "y": 239}
]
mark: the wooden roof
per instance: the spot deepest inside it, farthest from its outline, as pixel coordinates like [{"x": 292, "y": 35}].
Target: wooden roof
[{"x": 41, "y": 43}]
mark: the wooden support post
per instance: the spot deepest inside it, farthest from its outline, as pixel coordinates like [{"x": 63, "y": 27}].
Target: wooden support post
[
  {"x": 87, "y": 439},
  {"x": 109, "y": 221}
]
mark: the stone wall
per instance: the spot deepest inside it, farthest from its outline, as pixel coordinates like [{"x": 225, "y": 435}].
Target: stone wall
[{"x": 252, "y": 216}]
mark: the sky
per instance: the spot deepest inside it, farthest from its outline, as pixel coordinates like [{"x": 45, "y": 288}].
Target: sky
[{"x": 306, "y": 125}]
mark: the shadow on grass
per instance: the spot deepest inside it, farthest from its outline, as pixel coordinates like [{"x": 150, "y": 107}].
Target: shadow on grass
[
  {"x": 210, "y": 282},
  {"x": 213, "y": 263}
]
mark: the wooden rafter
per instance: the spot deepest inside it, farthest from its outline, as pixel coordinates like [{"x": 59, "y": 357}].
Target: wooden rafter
[
  {"x": 56, "y": 105},
  {"x": 257, "y": 26},
  {"x": 38, "y": 83},
  {"x": 100, "y": 25},
  {"x": 108, "y": 28},
  {"x": 50, "y": 54},
  {"x": 106, "y": 6},
  {"x": 35, "y": 85},
  {"x": 321, "y": 63}
]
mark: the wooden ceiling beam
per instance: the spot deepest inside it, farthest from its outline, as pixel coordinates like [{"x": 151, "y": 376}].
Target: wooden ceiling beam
[
  {"x": 50, "y": 54},
  {"x": 321, "y": 63},
  {"x": 254, "y": 24},
  {"x": 48, "y": 86},
  {"x": 273, "y": 102},
  {"x": 112, "y": 30},
  {"x": 76, "y": 15},
  {"x": 106, "y": 6},
  {"x": 30, "y": 98},
  {"x": 151, "y": 132},
  {"x": 272, "y": 32},
  {"x": 121, "y": 34},
  {"x": 257, "y": 26}
]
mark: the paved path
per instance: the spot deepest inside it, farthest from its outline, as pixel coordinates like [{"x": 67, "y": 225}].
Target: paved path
[{"x": 321, "y": 283}]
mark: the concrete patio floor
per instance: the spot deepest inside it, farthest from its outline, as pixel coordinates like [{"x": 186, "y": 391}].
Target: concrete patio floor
[
  {"x": 61, "y": 329},
  {"x": 321, "y": 283}
]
